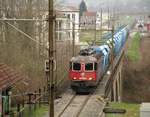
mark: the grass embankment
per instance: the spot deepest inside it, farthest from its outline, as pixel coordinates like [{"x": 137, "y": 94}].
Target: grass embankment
[
  {"x": 133, "y": 51},
  {"x": 89, "y": 35},
  {"x": 132, "y": 110},
  {"x": 39, "y": 112},
  {"x": 31, "y": 112}
]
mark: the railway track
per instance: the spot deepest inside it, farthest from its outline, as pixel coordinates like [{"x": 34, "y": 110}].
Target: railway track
[
  {"x": 75, "y": 106},
  {"x": 80, "y": 105},
  {"x": 61, "y": 113}
]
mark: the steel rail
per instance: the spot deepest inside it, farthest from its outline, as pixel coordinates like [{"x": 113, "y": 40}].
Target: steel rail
[
  {"x": 79, "y": 110},
  {"x": 61, "y": 113},
  {"x": 83, "y": 105}
]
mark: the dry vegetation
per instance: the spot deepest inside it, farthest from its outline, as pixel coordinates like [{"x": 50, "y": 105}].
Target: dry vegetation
[
  {"x": 24, "y": 54},
  {"x": 16, "y": 49},
  {"x": 137, "y": 75}
]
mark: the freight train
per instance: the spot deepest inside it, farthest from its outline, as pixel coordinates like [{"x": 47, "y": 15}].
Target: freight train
[{"x": 88, "y": 67}]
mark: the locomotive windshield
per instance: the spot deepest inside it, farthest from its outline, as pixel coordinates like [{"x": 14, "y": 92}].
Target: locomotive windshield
[
  {"x": 76, "y": 66},
  {"x": 89, "y": 66},
  {"x": 95, "y": 66}
]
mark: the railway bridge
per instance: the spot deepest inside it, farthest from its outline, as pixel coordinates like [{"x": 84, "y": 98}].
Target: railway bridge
[{"x": 111, "y": 85}]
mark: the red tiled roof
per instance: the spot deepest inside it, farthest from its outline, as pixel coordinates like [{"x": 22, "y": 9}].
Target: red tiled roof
[
  {"x": 73, "y": 8},
  {"x": 60, "y": 15},
  {"x": 8, "y": 76},
  {"x": 89, "y": 13}
]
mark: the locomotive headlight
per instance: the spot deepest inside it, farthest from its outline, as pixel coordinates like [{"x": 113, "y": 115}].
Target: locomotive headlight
[
  {"x": 108, "y": 72},
  {"x": 90, "y": 78},
  {"x": 74, "y": 78}
]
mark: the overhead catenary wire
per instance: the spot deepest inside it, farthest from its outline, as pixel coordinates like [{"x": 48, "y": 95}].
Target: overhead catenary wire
[
  {"x": 26, "y": 35},
  {"x": 14, "y": 19},
  {"x": 31, "y": 38},
  {"x": 57, "y": 30}
]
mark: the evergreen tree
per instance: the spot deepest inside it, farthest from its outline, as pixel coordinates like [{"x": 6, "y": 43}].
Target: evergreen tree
[{"x": 82, "y": 7}]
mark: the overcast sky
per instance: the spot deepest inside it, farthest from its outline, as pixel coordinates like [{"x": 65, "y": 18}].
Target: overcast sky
[{"x": 122, "y": 4}]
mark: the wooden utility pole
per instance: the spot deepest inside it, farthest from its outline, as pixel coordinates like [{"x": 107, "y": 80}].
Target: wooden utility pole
[
  {"x": 51, "y": 85},
  {"x": 108, "y": 18},
  {"x": 113, "y": 28},
  {"x": 112, "y": 57},
  {"x": 73, "y": 39},
  {"x": 95, "y": 30},
  {"x": 101, "y": 22}
]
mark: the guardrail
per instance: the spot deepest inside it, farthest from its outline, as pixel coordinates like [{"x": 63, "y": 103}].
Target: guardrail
[{"x": 30, "y": 102}]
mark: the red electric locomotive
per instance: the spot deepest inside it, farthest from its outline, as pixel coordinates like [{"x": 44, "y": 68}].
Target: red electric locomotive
[{"x": 83, "y": 72}]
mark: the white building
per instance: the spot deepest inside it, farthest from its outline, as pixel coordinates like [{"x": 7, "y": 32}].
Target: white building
[
  {"x": 61, "y": 26},
  {"x": 72, "y": 14}
]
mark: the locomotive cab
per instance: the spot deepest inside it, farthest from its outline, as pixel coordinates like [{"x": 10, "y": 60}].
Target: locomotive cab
[{"x": 83, "y": 71}]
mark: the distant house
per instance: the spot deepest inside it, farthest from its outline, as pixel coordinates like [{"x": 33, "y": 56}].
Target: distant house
[
  {"x": 72, "y": 15},
  {"x": 90, "y": 20},
  {"x": 8, "y": 78}
]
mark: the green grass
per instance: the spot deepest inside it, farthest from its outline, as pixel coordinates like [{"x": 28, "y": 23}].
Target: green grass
[
  {"x": 133, "y": 51},
  {"x": 39, "y": 112},
  {"x": 132, "y": 110},
  {"x": 89, "y": 35}
]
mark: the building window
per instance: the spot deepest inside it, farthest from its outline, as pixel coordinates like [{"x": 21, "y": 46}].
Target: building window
[
  {"x": 60, "y": 36},
  {"x": 73, "y": 17},
  {"x": 56, "y": 35},
  {"x": 68, "y": 16},
  {"x": 69, "y": 34},
  {"x": 60, "y": 25}
]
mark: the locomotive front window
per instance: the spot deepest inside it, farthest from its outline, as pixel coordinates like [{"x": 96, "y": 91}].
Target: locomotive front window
[
  {"x": 76, "y": 66},
  {"x": 89, "y": 66},
  {"x": 95, "y": 66}
]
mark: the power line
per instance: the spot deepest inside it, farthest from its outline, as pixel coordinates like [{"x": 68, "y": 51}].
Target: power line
[
  {"x": 11, "y": 19},
  {"x": 14, "y": 19},
  {"x": 26, "y": 35}
]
